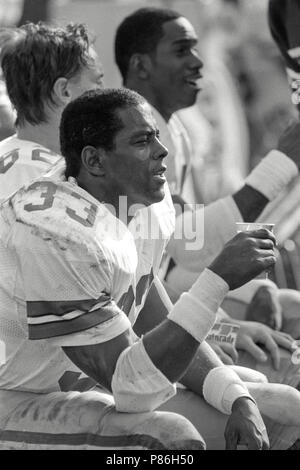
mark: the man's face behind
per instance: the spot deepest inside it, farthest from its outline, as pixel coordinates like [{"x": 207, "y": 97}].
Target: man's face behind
[
  {"x": 176, "y": 66},
  {"x": 135, "y": 167}
]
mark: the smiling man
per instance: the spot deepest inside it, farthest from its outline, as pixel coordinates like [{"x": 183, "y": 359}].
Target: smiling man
[{"x": 156, "y": 52}]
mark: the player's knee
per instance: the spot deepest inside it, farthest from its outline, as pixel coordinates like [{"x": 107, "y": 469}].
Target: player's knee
[
  {"x": 292, "y": 396},
  {"x": 90, "y": 409},
  {"x": 177, "y": 432}
]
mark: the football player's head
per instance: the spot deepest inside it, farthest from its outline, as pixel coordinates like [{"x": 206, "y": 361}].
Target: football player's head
[
  {"x": 155, "y": 50},
  {"x": 110, "y": 141},
  {"x": 284, "y": 20},
  {"x": 45, "y": 67}
]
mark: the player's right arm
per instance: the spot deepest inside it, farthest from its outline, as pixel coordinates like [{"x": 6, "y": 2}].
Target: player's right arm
[
  {"x": 165, "y": 352},
  {"x": 137, "y": 379}
]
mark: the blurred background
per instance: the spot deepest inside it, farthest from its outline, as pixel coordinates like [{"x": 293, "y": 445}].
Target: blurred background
[{"x": 239, "y": 115}]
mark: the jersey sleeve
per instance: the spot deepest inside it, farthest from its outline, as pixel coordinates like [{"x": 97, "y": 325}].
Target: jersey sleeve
[
  {"x": 21, "y": 163},
  {"x": 66, "y": 289}
]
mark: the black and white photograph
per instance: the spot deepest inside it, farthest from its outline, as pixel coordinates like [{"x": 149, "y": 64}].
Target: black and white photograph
[{"x": 149, "y": 227}]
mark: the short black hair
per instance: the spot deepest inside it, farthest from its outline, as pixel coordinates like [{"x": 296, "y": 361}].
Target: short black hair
[
  {"x": 140, "y": 32},
  {"x": 92, "y": 119}
]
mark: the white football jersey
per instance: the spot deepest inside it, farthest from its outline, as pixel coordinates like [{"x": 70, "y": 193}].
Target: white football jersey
[
  {"x": 180, "y": 154},
  {"x": 78, "y": 268},
  {"x": 21, "y": 162}
]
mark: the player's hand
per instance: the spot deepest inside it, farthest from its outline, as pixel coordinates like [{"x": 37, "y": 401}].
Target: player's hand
[
  {"x": 265, "y": 308},
  {"x": 289, "y": 142},
  {"x": 253, "y": 336},
  {"x": 245, "y": 426},
  {"x": 245, "y": 256},
  {"x": 226, "y": 352}
]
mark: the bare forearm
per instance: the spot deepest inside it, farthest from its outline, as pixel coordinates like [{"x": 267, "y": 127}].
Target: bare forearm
[
  {"x": 205, "y": 359},
  {"x": 154, "y": 313},
  {"x": 250, "y": 203},
  {"x": 171, "y": 349}
]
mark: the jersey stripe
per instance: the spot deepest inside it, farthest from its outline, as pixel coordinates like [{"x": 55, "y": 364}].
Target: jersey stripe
[
  {"x": 80, "y": 323},
  {"x": 106, "y": 442},
  {"x": 40, "y": 308}
]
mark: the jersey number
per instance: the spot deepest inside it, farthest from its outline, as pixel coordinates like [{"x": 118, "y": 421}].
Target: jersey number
[
  {"x": 48, "y": 192},
  {"x": 8, "y": 160}
]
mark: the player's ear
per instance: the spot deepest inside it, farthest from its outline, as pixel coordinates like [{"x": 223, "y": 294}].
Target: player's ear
[
  {"x": 92, "y": 160},
  {"x": 61, "y": 91},
  {"x": 139, "y": 65}
]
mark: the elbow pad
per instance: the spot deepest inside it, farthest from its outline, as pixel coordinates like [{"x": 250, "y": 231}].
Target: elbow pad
[{"x": 137, "y": 385}]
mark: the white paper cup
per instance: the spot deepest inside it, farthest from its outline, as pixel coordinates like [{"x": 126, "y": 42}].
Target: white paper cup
[{"x": 249, "y": 226}]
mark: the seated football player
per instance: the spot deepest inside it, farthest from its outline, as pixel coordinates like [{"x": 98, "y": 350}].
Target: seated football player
[
  {"x": 44, "y": 67},
  {"x": 87, "y": 243}
]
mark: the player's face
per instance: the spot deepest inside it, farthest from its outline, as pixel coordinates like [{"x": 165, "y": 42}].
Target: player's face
[
  {"x": 89, "y": 78},
  {"x": 135, "y": 166},
  {"x": 175, "y": 67}
]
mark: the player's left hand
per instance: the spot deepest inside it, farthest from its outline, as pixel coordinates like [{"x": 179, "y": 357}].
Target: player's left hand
[
  {"x": 254, "y": 336},
  {"x": 245, "y": 426}
]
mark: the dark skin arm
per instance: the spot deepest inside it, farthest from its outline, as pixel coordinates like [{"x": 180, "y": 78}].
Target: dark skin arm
[
  {"x": 250, "y": 203},
  {"x": 155, "y": 310},
  {"x": 98, "y": 360},
  {"x": 245, "y": 425},
  {"x": 171, "y": 348}
]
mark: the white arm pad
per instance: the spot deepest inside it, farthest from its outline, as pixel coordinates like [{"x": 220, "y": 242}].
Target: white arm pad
[
  {"x": 272, "y": 174},
  {"x": 137, "y": 385},
  {"x": 195, "y": 311},
  {"x": 222, "y": 386}
]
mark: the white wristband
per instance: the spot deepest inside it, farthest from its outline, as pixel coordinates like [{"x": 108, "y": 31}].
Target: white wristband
[
  {"x": 195, "y": 311},
  {"x": 272, "y": 174},
  {"x": 222, "y": 386}
]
